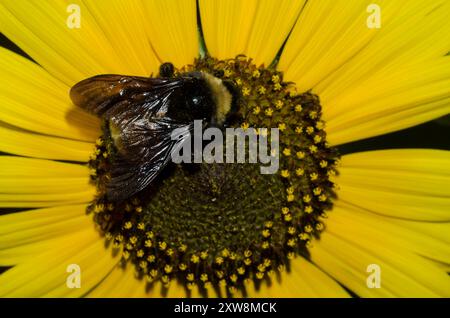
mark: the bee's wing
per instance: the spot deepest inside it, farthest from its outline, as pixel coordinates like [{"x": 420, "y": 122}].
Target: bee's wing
[
  {"x": 128, "y": 178},
  {"x": 102, "y": 95},
  {"x": 136, "y": 109}
]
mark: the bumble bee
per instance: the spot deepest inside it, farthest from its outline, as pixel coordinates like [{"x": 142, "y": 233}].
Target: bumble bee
[{"x": 142, "y": 113}]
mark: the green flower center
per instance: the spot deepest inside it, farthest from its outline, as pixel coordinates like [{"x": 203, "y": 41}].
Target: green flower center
[{"x": 223, "y": 224}]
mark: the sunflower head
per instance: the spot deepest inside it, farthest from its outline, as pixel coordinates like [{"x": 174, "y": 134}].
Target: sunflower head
[{"x": 221, "y": 223}]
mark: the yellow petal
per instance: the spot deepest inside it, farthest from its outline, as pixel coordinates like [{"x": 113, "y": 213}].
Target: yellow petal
[
  {"x": 23, "y": 227},
  {"x": 403, "y": 274},
  {"x": 407, "y": 184},
  {"x": 37, "y": 183},
  {"x": 254, "y": 28},
  {"x": 122, "y": 282},
  {"x": 327, "y": 35},
  {"x": 123, "y": 24},
  {"x": 408, "y": 96},
  {"x": 303, "y": 280},
  {"x": 372, "y": 81},
  {"x": 28, "y": 167},
  {"x": 34, "y": 100},
  {"x": 172, "y": 30},
  {"x": 36, "y": 201},
  {"x": 23, "y": 253},
  {"x": 70, "y": 54},
  {"x": 398, "y": 234},
  {"x": 24, "y": 143},
  {"x": 46, "y": 275},
  {"x": 26, "y": 234},
  {"x": 417, "y": 28}
]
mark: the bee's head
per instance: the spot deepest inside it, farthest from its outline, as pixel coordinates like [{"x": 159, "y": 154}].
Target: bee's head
[
  {"x": 192, "y": 100},
  {"x": 206, "y": 97}
]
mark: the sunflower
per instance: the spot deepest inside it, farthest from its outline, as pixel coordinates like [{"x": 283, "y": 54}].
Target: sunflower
[{"x": 314, "y": 69}]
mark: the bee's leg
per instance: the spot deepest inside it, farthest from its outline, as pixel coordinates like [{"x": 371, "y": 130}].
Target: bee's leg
[{"x": 166, "y": 70}]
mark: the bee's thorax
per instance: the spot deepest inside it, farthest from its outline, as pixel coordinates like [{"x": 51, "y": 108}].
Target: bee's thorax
[{"x": 221, "y": 95}]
